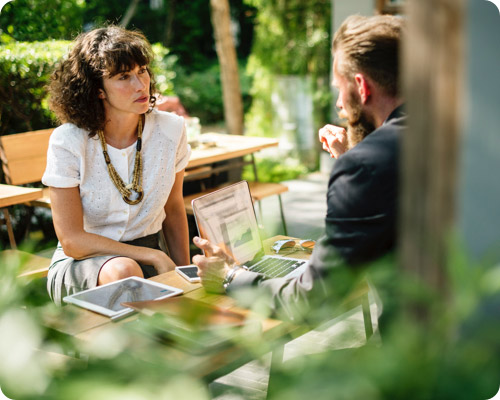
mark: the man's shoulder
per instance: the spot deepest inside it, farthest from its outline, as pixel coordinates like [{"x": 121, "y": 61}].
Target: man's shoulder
[{"x": 383, "y": 142}]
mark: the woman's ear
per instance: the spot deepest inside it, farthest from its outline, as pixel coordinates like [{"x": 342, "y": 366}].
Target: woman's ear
[
  {"x": 102, "y": 95},
  {"x": 363, "y": 87}
]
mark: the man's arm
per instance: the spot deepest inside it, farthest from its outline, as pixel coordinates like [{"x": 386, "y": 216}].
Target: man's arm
[
  {"x": 289, "y": 298},
  {"x": 356, "y": 229}
]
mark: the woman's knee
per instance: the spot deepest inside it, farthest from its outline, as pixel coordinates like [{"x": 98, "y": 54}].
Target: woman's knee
[{"x": 119, "y": 268}]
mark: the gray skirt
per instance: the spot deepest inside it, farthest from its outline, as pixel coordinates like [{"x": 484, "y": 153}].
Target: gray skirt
[{"x": 67, "y": 275}]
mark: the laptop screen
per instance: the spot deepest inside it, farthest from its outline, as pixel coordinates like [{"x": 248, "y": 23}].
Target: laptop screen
[{"x": 226, "y": 217}]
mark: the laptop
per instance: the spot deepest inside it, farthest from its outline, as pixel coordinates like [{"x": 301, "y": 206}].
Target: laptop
[{"x": 226, "y": 217}]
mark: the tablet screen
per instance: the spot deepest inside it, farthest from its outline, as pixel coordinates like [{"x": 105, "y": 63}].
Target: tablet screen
[{"x": 107, "y": 299}]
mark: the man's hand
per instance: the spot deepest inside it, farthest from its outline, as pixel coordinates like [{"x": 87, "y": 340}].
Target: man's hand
[
  {"x": 213, "y": 267},
  {"x": 334, "y": 140}
]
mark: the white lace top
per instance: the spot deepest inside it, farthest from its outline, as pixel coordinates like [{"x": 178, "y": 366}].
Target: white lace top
[{"x": 74, "y": 159}]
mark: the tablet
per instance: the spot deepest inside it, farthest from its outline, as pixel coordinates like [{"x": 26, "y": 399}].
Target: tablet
[{"x": 107, "y": 299}]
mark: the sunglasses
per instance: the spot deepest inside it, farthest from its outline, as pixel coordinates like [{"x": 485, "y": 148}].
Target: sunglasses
[{"x": 291, "y": 245}]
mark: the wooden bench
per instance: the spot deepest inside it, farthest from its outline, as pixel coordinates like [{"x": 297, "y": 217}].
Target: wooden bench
[
  {"x": 31, "y": 265},
  {"x": 24, "y": 157}
]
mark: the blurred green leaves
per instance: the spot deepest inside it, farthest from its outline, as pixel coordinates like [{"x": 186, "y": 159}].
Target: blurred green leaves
[
  {"x": 275, "y": 169},
  {"x": 201, "y": 92},
  {"x": 34, "y": 20},
  {"x": 291, "y": 38},
  {"x": 163, "y": 68},
  {"x": 451, "y": 354},
  {"x": 25, "y": 69}
]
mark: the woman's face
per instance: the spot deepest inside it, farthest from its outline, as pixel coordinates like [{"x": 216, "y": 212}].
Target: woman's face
[{"x": 126, "y": 92}]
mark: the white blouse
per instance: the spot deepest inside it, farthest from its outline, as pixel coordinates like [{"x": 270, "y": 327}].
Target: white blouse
[{"x": 74, "y": 159}]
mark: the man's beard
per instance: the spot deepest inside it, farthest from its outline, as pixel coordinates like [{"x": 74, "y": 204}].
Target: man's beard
[{"x": 359, "y": 123}]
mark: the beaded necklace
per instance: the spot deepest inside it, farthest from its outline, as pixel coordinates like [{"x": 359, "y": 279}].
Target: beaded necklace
[{"x": 136, "y": 185}]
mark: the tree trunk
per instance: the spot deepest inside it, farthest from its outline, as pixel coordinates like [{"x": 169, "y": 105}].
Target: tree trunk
[
  {"x": 169, "y": 23},
  {"x": 129, "y": 14},
  {"x": 226, "y": 52},
  {"x": 433, "y": 68}
]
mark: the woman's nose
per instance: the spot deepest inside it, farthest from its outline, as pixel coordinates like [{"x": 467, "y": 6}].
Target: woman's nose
[{"x": 139, "y": 84}]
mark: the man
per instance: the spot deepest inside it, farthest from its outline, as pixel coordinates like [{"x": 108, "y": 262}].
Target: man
[{"x": 363, "y": 187}]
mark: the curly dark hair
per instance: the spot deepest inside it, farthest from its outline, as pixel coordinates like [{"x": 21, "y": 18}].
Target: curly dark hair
[{"x": 75, "y": 84}]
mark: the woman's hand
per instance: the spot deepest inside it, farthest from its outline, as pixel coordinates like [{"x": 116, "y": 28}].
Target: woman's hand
[{"x": 162, "y": 262}]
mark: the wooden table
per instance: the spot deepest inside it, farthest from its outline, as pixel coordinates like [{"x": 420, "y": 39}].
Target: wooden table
[
  {"x": 226, "y": 147},
  {"x": 213, "y": 148},
  {"x": 207, "y": 161},
  {"x": 11, "y": 195},
  {"x": 85, "y": 326}
]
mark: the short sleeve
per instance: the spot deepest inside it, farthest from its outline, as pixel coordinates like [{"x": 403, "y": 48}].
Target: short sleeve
[
  {"x": 183, "y": 152},
  {"x": 63, "y": 158}
]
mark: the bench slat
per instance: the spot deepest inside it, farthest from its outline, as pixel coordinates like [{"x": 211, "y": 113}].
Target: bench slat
[
  {"x": 24, "y": 156},
  {"x": 32, "y": 266}
]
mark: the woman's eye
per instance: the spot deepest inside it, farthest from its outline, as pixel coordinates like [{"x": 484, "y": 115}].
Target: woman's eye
[
  {"x": 124, "y": 77},
  {"x": 143, "y": 70}
]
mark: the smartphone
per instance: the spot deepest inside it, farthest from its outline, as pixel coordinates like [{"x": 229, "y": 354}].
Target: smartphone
[{"x": 189, "y": 273}]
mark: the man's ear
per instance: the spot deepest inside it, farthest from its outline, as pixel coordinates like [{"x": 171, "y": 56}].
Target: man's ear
[{"x": 363, "y": 86}]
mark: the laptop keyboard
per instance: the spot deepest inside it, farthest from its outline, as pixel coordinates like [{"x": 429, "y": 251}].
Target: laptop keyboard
[{"x": 276, "y": 267}]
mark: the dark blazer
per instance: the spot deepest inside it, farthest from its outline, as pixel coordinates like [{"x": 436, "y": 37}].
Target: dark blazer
[{"x": 360, "y": 224}]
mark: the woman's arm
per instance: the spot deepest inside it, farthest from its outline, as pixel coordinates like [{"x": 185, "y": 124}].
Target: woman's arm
[
  {"x": 67, "y": 214},
  {"x": 175, "y": 226}
]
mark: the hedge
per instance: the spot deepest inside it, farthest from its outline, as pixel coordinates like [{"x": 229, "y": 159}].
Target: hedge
[{"x": 25, "y": 68}]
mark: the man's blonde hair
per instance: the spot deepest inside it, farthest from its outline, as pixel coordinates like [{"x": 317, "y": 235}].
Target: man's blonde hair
[{"x": 371, "y": 46}]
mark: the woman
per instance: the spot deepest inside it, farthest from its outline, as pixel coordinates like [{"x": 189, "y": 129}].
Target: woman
[{"x": 115, "y": 167}]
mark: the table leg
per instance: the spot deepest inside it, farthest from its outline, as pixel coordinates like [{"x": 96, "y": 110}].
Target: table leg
[{"x": 10, "y": 231}]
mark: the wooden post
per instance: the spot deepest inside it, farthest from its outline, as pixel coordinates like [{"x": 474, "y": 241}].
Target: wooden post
[
  {"x": 379, "y": 6},
  {"x": 226, "y": 52},
  {"x": 169, "y": 23},
  {"x": 433, "y": 75},
  {"x": 129, "y": 14}
]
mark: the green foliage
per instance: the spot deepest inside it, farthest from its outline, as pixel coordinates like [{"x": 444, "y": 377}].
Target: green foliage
[
  {"x": 201, "y": 92},
  {"x": 275, "y": 169},
  {"x": 25, "y": 69},
  {"x": 123, "y": 360},
  {"x": 259, "y": 118},
  {"x": 434, "y": 345},
  {"x": 291, "y": 38},
  {"x": 34, "y": 20},
  {"x": 163, "y": 67},
  {"x": 182, "y": 26}
]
